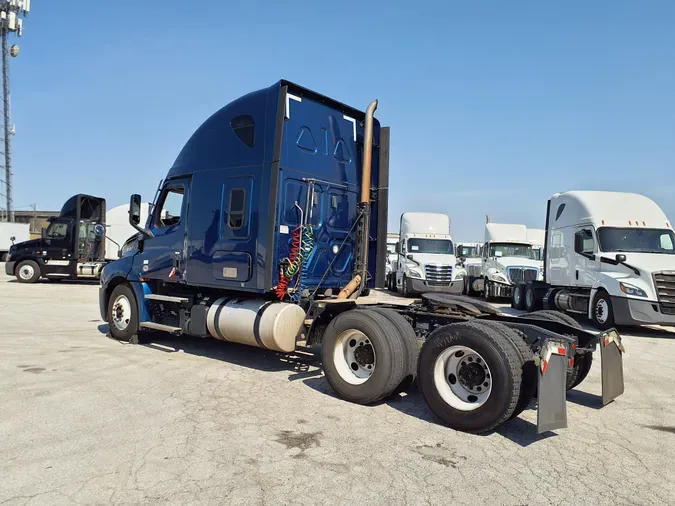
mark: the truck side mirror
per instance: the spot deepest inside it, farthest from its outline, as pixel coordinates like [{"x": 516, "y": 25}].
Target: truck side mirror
[
  {"x": 13, "y": 238},
  {"x": 620, "y": 257},
  {"x": 135, "y": 215},
  {"x": 409, "y": 257},
  {"x": 135, "y": 209},
  {"x": 462, "y": 259}
]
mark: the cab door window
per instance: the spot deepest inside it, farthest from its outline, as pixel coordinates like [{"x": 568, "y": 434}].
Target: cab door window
[
  {"x": 584, "y": 244},
  {"x": 170, "y": 207},
  {"x": 57, "y": 231}
]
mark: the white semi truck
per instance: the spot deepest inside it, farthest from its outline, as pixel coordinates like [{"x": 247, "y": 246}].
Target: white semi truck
[
  {"x": 610, "y": 256},
  {"x": 507, "y": 259},
  {"x": 426, "y": 260},
  {"x": 392, "y": 240},
  {"x": 536, "y": 236},
  {"x": 11, "y": 233}
]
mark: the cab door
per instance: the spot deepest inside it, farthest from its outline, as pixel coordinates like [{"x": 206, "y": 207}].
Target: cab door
[
  {"x": 586, "y": 265},
  {"x": 163, "y": 256}
]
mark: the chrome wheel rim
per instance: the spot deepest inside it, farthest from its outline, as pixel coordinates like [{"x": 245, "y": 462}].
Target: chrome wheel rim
[
  {"x": 26, "y": 272},
  {"x": 601, "y": 311},
  {"x": 121, "y": 312},
  {"x": 354, "y": 357},
  {"x": 462, "y": 378}
]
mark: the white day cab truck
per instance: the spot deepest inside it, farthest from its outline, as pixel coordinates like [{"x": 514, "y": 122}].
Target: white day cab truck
[
  {"x": 507, "y": 259},
  {"x": 537, "y": 237},
  {"x": 11, "y": 233},
  {"x": 609, "y": 256},
  {"x": 468, "y": 253},
  {"x": 390, "y": 275},
  {"x": 426, "y": 259}
]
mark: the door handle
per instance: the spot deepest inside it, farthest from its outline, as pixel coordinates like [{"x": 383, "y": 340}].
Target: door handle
[{"x": 577, "y": 274}]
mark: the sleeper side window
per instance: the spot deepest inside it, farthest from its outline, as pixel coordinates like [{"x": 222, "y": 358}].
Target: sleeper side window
[
  {"x": 584, "y": 244},
  {"x": 244, "y": 128},
  {"x": 170, "y": 207},
  {"x": 235, "y": 213}
]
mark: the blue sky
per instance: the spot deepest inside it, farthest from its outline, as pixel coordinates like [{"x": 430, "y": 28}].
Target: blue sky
[{"x": 493, "y": 105}]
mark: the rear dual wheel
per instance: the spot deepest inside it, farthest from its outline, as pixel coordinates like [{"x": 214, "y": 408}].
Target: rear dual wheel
[
  {"x": 369, "y": 354},
  {"x": 471, "y": 375}
]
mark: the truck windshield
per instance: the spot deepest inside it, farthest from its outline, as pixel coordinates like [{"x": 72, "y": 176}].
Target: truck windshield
[
  {"x": 637, "y": 240},
  {"x": 511, "y": 250},
  {"x": 438, "y": 246},
  {"x": 467, "y": 251},
  {"x": 536, "y": 252}
]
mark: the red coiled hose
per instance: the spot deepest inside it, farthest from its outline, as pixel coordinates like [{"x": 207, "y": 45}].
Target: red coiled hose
[{"x": 291, "y": 263}]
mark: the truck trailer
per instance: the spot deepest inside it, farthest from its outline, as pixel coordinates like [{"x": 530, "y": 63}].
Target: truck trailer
[
  {"x": 10, "y": 234},
  {"x": 278, "y": 226},
  {"x": 75, "y": 245},
  {"x": 426, "y": 259},
  {"x": 609, "y": 256}
]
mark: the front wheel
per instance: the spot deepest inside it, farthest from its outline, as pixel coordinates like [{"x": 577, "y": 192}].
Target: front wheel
[
  {"x": 602, "y": 311},
  {"x": 487, "y": 291},
  {"x": 518, "y": 296},
  {"x": 123, "y": 314},
  {"x": 405, "y": 289},
  {"x": 27, "y": 271}
]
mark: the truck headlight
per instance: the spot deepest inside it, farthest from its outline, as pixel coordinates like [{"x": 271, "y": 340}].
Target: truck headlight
[
  {"x": 459, "y": 275},
  {"x": 632, "y": 290},
  {"x": 498, "y": 277},
  {"x": 414, "y": 274}
]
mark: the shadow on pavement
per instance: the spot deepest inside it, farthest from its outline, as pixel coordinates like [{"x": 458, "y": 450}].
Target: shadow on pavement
[
  {"x": 298, "y": 362},
  {"x": 585, "y": 399}
]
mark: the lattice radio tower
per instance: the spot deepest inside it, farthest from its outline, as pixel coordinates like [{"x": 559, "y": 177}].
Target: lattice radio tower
[{"x": 11, "y": 21}]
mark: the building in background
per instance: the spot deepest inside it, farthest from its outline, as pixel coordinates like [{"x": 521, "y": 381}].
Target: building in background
[{"x": 36, "y": 219}]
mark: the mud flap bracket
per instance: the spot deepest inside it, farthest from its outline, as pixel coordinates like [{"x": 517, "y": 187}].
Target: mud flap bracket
[{"x": 552, "y": 402}]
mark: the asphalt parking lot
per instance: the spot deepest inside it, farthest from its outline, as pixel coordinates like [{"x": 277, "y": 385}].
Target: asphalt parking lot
[{"x": 85, "y": 419}]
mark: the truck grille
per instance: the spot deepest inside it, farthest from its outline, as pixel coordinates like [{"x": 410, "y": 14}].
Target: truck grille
[
  {"x": 665, "y": 290},
  {"x": 520, "y": 274},
  {"x": 438, "y": 274}
]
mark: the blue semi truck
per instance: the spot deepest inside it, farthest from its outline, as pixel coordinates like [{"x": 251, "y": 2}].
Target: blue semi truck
[{"x": 269, "y": 227}]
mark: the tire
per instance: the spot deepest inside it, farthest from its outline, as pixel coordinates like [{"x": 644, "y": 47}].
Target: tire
[
  {"x": 27, "y": 271},
  {"x": 499, "y": 357},
  {"x": 468, "y": 283},
  {"x": 390, "y": 364},
  {"x": 518, "y": 296},
  {"x": 486, "y": 292},
  {"x": 123, "y": 314},
  {"x": 410, "y": 346},
  {"x": 582, "y": 361},
  {"x": 528, "y": 384},
  {"x": 405, "y": 290},
  {"x": 394, "y": 288},
  {"x": 603, "y": 303},
  {"x": 533, "y": 300}
]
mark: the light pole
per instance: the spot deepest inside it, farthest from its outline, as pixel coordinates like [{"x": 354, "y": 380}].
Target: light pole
[{"x": 11, "y": 12}]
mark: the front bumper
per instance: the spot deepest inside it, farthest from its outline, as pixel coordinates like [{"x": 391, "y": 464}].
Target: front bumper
[
  {"x": 639, "y": 312},
  {"x": 421, "y": 286},
  {"x": 501, "y": 290},
  {"x": 9, "y": 268}
]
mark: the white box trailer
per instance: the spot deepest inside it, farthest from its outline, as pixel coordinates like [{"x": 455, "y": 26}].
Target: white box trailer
[
  {"x": 609, "y": 256},
  {"x": 11, "y": 233},
  {"x": 118, "y": 230}
]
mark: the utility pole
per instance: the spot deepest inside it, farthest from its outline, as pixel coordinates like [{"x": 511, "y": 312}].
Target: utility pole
[{"x": 10, "y": 21}]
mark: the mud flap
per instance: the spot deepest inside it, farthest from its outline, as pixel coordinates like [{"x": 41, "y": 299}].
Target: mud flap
[
  {"x": 611, "y": 356},
  {"x": 552, "y": 402}
]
